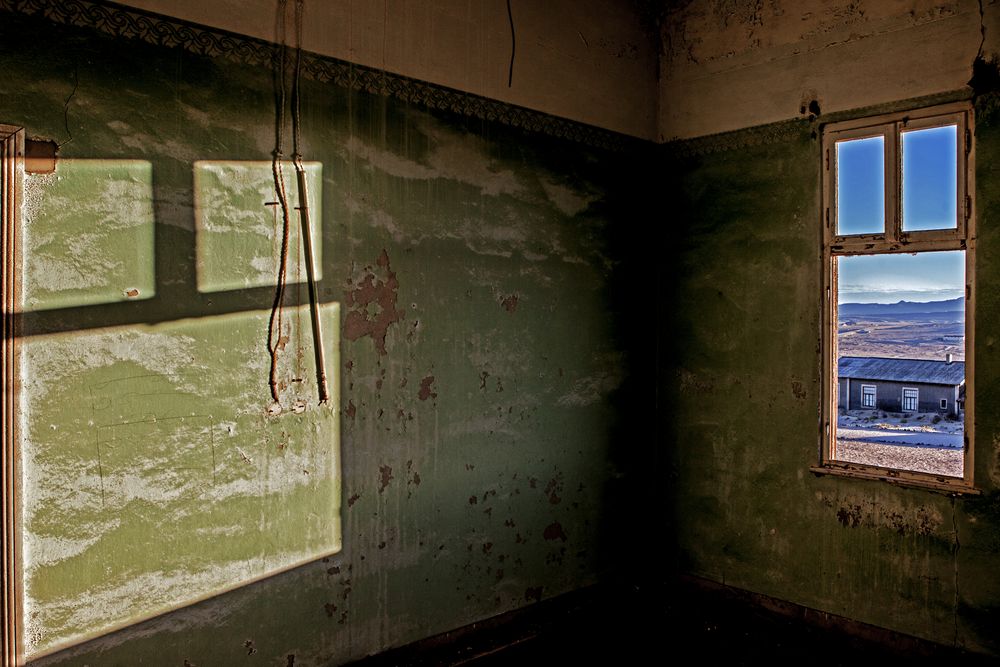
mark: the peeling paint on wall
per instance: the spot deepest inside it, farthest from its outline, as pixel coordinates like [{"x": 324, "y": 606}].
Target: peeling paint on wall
[
  {"x": 855, "y": 511},
  {"x": 371, "y": 304}
]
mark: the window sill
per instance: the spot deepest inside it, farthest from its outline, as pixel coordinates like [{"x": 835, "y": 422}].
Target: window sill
[{"x": 952, "y": 486}]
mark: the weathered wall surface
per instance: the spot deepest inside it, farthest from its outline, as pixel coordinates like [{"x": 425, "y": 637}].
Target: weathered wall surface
[
  {"x": 486, "y": 345},
  {"x": 743, "y": 363},
  {"x": 728, "y": 65},
  {"x": 594, "y": 61}
]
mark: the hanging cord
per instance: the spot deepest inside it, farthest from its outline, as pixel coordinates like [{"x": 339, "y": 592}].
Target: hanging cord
[
  {"x": 513, "y": 44},
  {"x": 76, "y": 84},
  {"x": 300, "y": 172},
  {"x": 274, "y": 342}
]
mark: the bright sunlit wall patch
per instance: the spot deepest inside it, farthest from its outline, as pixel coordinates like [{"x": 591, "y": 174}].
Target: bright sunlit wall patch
[
  {"x": 898, "y": 257},
  {"x": 238, "y": 223},
  {"x": 89, "y": 237}
]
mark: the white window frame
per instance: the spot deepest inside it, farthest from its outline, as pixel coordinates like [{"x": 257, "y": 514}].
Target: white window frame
[
  {"x": 893, "y": 239},
  {"x": 916, "y": 399},
  {"x": 944, "y": 403},
  {"x": 865, "y": 395}
]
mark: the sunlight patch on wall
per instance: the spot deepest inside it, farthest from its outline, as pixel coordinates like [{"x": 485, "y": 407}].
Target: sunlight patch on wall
[
  {"x": 155, "y": 474},
  {"x": 238, "y": 224},
  {"x": 89, "y": 237}
]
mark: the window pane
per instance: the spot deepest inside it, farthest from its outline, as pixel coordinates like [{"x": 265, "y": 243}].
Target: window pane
[
  {"x": 901, "y": 355},
  {"x": 930, "y": 178},
  {"x": 861, "y": 186}
]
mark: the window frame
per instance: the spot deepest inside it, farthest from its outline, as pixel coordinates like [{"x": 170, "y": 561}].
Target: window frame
[
  {"x": 915, "y": 395},
  {"x": 893, "y": 239},
  {"x": 11, "y": 197}
]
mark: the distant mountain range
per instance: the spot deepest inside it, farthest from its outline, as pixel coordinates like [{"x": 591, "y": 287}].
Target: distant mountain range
[{"x": 901, "y": 308}]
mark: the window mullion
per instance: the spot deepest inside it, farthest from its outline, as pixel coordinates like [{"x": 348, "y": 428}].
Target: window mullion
[{"x": 893, "y": 185}]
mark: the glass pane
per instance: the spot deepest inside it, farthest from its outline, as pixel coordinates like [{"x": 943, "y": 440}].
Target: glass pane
[
  {"x": 861, "y": 186},
  {"x": 930, "y": 178},
  {"x": 901, "y": 361}
]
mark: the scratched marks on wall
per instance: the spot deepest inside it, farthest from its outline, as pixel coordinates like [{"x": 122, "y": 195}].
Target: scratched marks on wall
[{"x": 155, "y": 476}]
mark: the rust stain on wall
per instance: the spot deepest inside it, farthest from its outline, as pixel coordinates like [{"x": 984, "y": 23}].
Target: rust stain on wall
[
  {"x": 798, "y": 390},
  {"x": 509, "y": 303},
  {"x": 412, "y": 478},
  {"x": 371, "y": 303},
  {"x": 385, "y": 476},
  {"x": 554, "y": 531},
  {"x": 859, "y": 512},
  {"x": 425, "y": 388},
  {"x": 553, "y": 489}
]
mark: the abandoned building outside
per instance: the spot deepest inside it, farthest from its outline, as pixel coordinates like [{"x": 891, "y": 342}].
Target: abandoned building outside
[{"x": 571, "y": 297}]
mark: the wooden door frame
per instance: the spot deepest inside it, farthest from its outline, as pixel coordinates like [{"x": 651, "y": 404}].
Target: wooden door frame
[{"x": 11, "y": 184}]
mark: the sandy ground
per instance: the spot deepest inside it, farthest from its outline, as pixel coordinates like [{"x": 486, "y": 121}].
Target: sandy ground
[
  {"x": 911, "y": 442},
  {"x": 917, "y": 339}
]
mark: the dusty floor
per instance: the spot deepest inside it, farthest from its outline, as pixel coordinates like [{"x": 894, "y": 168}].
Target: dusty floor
[{"x": 677, "y": 624}]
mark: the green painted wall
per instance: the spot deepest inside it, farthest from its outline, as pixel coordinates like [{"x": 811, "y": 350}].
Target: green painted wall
[
  {"x": 494, "y": 413},
  {"x": 743, "y": 370}
]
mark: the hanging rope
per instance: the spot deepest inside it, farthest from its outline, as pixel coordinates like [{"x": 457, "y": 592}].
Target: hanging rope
[{"x": 274, "y": 342}]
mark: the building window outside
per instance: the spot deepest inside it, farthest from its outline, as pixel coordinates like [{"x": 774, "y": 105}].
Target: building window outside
[
  {"x": 897, "y": 210},
  {"x": 868, "y": 395}
]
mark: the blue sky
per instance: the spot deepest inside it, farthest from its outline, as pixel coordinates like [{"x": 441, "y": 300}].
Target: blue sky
[
  {"x": 926, "y": 276},
  {"x": 929, "y": 202}
]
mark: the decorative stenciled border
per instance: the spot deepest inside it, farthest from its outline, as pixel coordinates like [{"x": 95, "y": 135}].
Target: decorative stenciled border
[
  {"x": 795, "y": 128},
  {"x": 760, "y": 135},
  {"x": 160, "y": 30}
]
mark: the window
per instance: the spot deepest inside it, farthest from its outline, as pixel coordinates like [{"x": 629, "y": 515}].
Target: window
[
  {"x": 868, "y": 395},
  {"x": 898, "y": 253}
]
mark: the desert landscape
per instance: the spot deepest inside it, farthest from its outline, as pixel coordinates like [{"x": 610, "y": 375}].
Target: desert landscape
[{"x": 924, "y": 442}]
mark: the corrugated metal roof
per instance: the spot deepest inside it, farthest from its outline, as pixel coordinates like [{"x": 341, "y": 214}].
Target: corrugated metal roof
[{"x": 902, "y": 370}]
